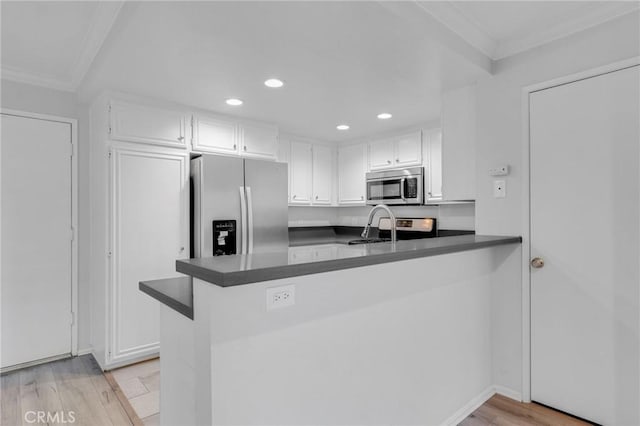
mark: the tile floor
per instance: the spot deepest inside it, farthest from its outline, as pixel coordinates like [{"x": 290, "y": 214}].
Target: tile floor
[{"x": 140, "y": 384}]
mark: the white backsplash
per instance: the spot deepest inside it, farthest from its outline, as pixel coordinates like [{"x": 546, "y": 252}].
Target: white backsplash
[{"x": 453, "y": 216}]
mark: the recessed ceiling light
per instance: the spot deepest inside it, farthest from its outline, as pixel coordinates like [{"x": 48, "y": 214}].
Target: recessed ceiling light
[
  {"x": 342, "y": 127},
  {"x": 233, "y": 102},
  {"x": 274, "y": 82},
  {"x": 384, "y": 116}
]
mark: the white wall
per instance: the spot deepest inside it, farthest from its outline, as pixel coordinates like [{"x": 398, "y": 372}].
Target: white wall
[
  {"x": 499, "y": 141},
  {"x": 459, "y": 217},
  {"x": 28, "y": 98}
]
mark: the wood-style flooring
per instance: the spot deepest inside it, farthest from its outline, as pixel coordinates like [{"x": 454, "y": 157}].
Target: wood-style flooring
[
  {"x": 502, "y": 411},
  {"x": 70, "y": 385},
  {"x": 97, "y": 399}
]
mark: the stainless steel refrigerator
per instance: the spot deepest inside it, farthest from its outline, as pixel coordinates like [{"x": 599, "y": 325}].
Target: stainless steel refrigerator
[{"x": 238, "y": 206}]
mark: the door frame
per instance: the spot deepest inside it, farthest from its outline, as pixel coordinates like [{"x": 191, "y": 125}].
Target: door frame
[
  {"x": 526, "y": 201},
  {"x": 74, "y": 210}
]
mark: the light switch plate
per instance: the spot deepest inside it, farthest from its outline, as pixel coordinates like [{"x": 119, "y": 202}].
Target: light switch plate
[{"x": 499, "y": 171}]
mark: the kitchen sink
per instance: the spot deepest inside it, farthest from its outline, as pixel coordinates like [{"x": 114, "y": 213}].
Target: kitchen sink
[{"x": 369, "y": 241}]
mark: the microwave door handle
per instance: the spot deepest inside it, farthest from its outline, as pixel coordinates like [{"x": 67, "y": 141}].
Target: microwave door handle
[
  {"x": 243, "y": 221},
  {"x": 402, "y": 181}
]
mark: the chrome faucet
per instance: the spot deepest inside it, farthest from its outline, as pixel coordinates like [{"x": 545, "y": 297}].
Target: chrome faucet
[{"x": 367, "y": 228}]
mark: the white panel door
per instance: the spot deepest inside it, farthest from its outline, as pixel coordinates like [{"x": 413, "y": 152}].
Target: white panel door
[
  {"x": 145, "y": 124},
  {"x": 259, "y": 141},
  {"x": 36, "y": 239},
  {"x": 381, "y": 154},
  {"x": 150, "y": 231},
  {"x": 215, "y": 135},
  {"x": 322, "y": 175},
  {"x": 584, "y": 225}
]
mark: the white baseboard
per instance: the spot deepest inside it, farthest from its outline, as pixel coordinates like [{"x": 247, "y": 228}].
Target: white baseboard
[
  {"x": 84, "y": 351},
  {"x": 470, "y": 407},
  {"x": 477, "y": 401},
  {"x": 508, "y": 392}
]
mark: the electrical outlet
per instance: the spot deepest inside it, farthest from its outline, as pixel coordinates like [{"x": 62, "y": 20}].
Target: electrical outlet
[
  {"x": 499, "y": 188},
  {"x": 279, "y": 297}
]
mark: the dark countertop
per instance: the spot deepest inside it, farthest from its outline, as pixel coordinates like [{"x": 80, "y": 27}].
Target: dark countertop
[
  {"x": 177, "y": 293},
  {"x": 226, "y": 271}
]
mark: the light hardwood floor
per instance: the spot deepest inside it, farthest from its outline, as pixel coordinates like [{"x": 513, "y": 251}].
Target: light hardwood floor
[
  {"x": 503, "y": 411},
  {"x": 130, "y": 396},
  {"x": 75, "y": 384}
]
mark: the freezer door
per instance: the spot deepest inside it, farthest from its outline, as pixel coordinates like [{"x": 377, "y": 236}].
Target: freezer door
[
  {"x": 217, "y": 196},
  {"x": 267, "y": 211}
]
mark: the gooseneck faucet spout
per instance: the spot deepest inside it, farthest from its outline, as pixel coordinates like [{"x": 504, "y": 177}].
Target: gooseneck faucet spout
[{"x": 367, "y": 228}]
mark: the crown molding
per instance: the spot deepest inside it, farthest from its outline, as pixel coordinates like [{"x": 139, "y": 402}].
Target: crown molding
[
  {"x": 105, "y": 16},
  {"x": 604, "y": 12},
  {"x": 99, "y": 28},
  {"x": 471, "y": 32},
  {"x": 20, "y": 76}
]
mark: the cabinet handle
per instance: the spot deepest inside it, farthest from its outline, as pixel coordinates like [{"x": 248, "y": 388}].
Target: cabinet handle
[
  {"x": 362, "y": 197},
  {"x": 181, "y": 138},
  {"x": 429, "y": 193},
  {"x": 234, "y": 146},
  {"x": 245, "y": 147},
  {"x": 397, "y": 160},
  {"x": 388, "y": 161},
  {"x": 181, "y": 249},
  {"x": 316, "y": 197},
  {"x": 294, "y": 197}
]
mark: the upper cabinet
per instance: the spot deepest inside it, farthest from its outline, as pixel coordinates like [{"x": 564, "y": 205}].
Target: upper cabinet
[
  {"x": 398, "y": 151},
  {"x": 216, "y": 135},
  {"x": 223, "y": 135},
  {"x": 459, "y": 144},
  {"x": 259, "y": 141},
  {"x": 310, "y": 174},
  {"x": 352, "y": 166},
  {"x": 145, "y": 124}
]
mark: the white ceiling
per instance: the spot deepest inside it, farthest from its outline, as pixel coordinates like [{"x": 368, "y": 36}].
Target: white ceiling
[
  {"x": 342, "y": 62},
  {"x": 53, "y": 43}
]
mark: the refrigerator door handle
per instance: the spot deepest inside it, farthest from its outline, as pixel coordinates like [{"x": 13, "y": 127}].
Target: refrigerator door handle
[
  {"x": 243, "y": 221},
  {"x": 249, "y": 220}
]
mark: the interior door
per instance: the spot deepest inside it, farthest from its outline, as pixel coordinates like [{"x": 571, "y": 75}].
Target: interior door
[
  {"x": 36, "y": 239},
  {"x": 584, "y": 227}
]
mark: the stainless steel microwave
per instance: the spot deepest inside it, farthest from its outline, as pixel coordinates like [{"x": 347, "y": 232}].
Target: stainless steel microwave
[{"x": 396, "y": 187}]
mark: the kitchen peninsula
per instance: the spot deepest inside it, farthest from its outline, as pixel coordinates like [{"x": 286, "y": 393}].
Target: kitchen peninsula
[{"x": 373, "y": 334}]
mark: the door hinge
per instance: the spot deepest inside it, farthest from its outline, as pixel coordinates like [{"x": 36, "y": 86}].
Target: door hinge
[
  {"x": 73, "y": 234},
  {"x": 71, "y": 147},
  {"x": 109, "y": 118},
  {"x": 73, "y": 317},
  {"x": 109, "y": 154},
  {"x": 109, "y": 253}
]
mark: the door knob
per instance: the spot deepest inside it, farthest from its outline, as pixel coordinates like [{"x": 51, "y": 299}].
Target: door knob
[{"x": 537, "y": 262}]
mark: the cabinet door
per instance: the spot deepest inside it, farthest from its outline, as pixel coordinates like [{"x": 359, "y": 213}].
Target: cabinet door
[
  {"x": 351, "y": 174},
  {"x": 408, "y": 149},
  {"x": 322, "y": 175},
  {"x": 381, "y": 154},
  {"x": 458, "y": 145},
  {"x": 149, "y": 231},
  {"x": 212, "y": 134},
  {"x": 433, "y": 162},
  {"x": 300, "y": 167},
  {"x": 259, "y": 141},
  {"x": 144, "y": 124}
]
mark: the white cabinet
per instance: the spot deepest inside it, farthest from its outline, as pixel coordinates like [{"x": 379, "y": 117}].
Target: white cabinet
[
  {"x": 352, "y": 166},
  {"x": 322, "y": 181},
  {"x": 310, "y": 174},
  {"x": 433, "y": 165},
  {"x": 459, "y": 144},
  {"x": 145, "y": 124},
  {"x": 403, "y": 150},
  {"x": 300, "y": 173},
  {"x": 259, "y": 141},
  {"x": 224, "y": 135},
  {"x": 149, "y": 231},
  {"x": 216, "y": 135}
]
